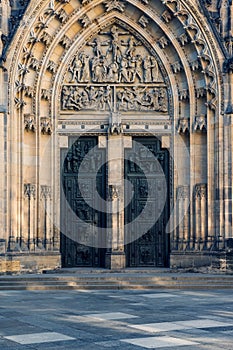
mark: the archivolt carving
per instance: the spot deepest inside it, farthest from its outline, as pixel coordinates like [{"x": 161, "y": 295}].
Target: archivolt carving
[{"x": 193, "y": 30}]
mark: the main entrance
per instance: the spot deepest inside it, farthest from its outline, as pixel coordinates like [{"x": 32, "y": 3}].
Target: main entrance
[
  {"x": 80, "y": 221},
  {"x": 152, "y": 248},
  {"x": 144, "y": 162}
]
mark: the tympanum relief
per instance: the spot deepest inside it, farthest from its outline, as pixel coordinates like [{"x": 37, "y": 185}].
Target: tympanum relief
[{"x": 114, "y": 72}]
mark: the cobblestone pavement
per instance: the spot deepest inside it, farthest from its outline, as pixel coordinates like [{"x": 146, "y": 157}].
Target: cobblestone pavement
[{"x": 116, "y": 320}]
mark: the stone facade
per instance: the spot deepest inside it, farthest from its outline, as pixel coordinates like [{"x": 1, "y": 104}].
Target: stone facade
[{"x": 116, "y": 70}]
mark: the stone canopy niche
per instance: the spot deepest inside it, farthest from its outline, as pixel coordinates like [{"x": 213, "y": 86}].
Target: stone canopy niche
[{"x": 114, "y": 72}]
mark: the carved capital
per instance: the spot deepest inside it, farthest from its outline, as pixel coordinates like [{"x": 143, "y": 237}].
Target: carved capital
[
  {"x": 29, "y": 123},
  {"x": 183, "y": 126},
  {"x": 34, "y": 63},
  {"x": 29, "y": 91},
  {"x": 183, "y": 94},
  {"x": 195, "y": 65},
  {"x": 200, "y": 191},
  {"x": 200, "y": 123},
  {"x": 45, "y": 124},
  {"x": 62, "y": 15},
  {"x": 45, "y": 94},
  {"x": 85, "y": 21},
  {"x": 30, "y": 191},
  {"x": 177, "y": 67},
  {"x": 183, "y": 39},
  {"x": 183, "y": 192},
  {"x": 65, "y": 42},
  {"x": 51, "y": 67},
  {"x": 167, "y": 16},
  {"x": 163, "y": 42},
  {"x": 46, "y": 38},
  {"x": 115, "y": 126},
  {"x": 143, "y": 21},
  {"x": 45, "y": 191}
]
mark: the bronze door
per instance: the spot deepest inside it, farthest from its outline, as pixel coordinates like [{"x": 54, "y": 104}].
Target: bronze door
[
  {"x": 77, "y": 246},
  {"x": 152, "y": 247}
]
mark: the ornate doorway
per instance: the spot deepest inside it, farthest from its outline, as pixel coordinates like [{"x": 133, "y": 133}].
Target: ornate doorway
[
  {"x": 75, "y": 185},
  {"x": 152, "y": 248},
  {"x": 115, "y": 87}
]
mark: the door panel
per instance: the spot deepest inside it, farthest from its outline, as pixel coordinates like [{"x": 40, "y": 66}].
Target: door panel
[
  {"x": 152, "y": 248},
  {"x": 75, "y": 211}
]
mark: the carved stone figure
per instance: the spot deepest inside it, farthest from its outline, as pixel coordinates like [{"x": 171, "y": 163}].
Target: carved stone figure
[
  {"x": 147, "y": 69},
  {"x": 76, "y": 69},
  {"x": 114, "y": 59}
]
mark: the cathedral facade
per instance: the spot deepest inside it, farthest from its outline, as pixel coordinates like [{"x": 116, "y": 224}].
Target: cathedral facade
[{"x": 116, "y": 134}]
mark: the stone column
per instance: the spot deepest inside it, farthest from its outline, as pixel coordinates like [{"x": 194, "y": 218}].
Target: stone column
[
  {"x": 27, "y": 241},
  {"x": 46, "y": 226},
  {"x": 200, "y": 201},
  {"x": 183, "y": 218},
  {"x": 115, "y": 257}
]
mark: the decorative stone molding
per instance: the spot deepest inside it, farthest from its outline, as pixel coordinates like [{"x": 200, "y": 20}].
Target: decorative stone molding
[
  {"x": 27, "y": 54},
  {"x": 52, "y": 66},
  {"x": 22, "y": 69},
  {"x": 61, "y": 15},
  {"x": 143, "y": 21},
  {"x": 45, "y": 94},
  {"x": 197, "y": 37},
  {"x": 50, "y": 11},
  {"x": 41, "y": 24},
  {"x": 29, "y": 91},
  {"x": 34, "y": 63},
  {"x": 183, "y": 39},
  {"x": 183, "y": 126},
  {"x": 46, "y": 191},
  {"x": 114, "y": 5},
  {"x": 163, "y": 42},
  {"x": 177, "y": 67},
  {"x": 200, "y": 191},
  {"x": 29, "y": 123},
  {"x": 115, "y": 125},
  {"x": 19, "y": 103},
  {"x": 200, "y": 123},
  {"x": 46, "y": 38},
  {"x": 19, "y": 86},
  {"x": 183, "y": 94},
  {"x": 167, "y": 16},
  {"x": 195, "y": 65},
  {"x": 201, "y": 92},
  {"x": 65, "y": 42},
  {"x": 46, "y": 127},
  {"x": 85, "y": 21},
  {"x": 33, "y": 37},
  {"x": 183, "y": 192},
  {"x": 85, "y": 2}
]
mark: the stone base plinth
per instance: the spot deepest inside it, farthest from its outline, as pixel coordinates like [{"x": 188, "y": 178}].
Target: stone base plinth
[
  {"x": 12, "y": 263},
  {"x": 217, "y": 260},
  {"x": 115, "y": 261}
]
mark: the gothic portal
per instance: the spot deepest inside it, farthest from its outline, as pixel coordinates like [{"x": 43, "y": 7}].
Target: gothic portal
[{"x": 116, "y": 134}]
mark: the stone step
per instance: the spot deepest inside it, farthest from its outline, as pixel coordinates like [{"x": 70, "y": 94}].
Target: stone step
[
  {"x": 113, "y": 287},
  {"x": 115, "y": 281}
]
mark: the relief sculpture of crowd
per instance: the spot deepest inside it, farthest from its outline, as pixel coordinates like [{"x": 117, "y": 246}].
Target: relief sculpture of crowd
[{"x": 114, "y": 72}]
